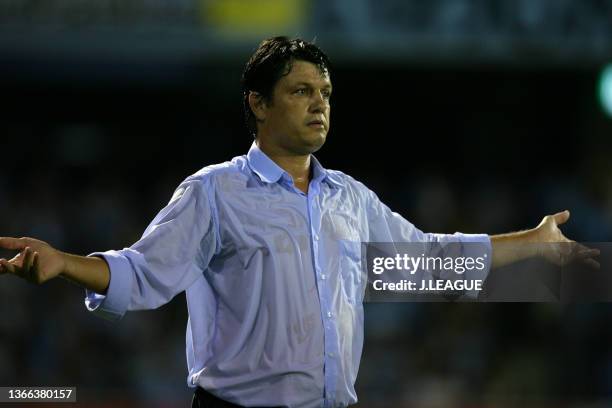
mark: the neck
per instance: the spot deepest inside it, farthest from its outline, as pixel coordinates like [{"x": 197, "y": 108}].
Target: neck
[{"x": 298, "y": 166}]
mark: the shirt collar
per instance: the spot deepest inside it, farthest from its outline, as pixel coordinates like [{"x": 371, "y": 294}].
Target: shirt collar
[
  {"x": 321, "y": 174},
  {"x": 263, "y": 166},
  {"x": 270, "y": 172}
]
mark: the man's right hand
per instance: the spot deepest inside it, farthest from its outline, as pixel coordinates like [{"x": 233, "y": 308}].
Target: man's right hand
[{"x": 37, "y": 261}]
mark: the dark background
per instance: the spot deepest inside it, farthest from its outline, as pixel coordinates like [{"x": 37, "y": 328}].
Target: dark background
[{"x": 483, "y": 122}]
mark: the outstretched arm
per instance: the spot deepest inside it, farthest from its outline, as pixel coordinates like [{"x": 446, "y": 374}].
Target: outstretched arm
[
  {"x": 546, "y": 241},
  {"x": 39, "y": 262}
]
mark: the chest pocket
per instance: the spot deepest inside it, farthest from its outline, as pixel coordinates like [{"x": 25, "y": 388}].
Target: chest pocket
[
  {"x": 351, "y": 270},
  {"x": 343, "y": 227}
]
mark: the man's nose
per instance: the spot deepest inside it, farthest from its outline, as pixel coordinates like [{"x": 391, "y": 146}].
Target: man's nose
[{"x": 318, "y": 102}]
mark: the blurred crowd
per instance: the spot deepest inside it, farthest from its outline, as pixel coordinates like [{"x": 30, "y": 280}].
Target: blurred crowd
[{"x": 416, "y": 354}]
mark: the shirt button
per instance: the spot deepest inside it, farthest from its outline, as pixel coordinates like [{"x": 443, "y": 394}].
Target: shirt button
[
  {"x": 323, "y": 276},
  {"x": 316, "y": 237},
  {"x": 330, "y": 354},
  {"x": 330, "y": 314}
]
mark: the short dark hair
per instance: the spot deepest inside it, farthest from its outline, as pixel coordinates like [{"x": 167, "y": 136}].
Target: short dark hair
[{"x": 272, "y": 60}]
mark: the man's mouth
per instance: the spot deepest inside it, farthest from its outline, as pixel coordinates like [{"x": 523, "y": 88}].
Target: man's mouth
[{"x": 316, "y": 124}]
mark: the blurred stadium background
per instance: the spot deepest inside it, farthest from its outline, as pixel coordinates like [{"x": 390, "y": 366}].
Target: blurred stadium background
[{"x": 474, "y": 116}]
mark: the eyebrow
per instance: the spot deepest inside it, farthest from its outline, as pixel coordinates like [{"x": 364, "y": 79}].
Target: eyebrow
[{"x": 301, "y": 83}]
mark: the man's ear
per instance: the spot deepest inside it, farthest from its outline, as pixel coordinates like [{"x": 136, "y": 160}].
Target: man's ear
[{"x": 258, "y": 105}]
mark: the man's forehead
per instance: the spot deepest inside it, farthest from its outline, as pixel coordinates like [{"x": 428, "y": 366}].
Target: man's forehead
[{"x": 303, "y": 71}]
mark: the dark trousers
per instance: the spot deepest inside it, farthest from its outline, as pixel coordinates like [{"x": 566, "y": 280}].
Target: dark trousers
[{"x": 204, "y": 399}]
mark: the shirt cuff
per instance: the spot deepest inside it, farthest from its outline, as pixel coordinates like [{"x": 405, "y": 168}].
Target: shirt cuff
[
  {"x": 113, "y": 305},
  {"x": 477, "y": 246}
]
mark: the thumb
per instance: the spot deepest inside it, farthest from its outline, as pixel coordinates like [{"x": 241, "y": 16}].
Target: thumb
[
  {"x": 561, "y": 217},
  {"x": 12, "y": 243}
]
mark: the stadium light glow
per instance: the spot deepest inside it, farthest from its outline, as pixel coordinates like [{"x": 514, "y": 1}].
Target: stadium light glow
[{"x": 605, "y": 89}]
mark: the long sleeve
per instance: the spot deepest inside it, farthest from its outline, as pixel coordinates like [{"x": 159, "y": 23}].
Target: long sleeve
[
  {"x": 390, "y": 227},
  {"x": 173, "y": 252}
]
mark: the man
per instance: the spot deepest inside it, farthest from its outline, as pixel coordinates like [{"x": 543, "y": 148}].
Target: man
[{"x": 266, "y": 248}]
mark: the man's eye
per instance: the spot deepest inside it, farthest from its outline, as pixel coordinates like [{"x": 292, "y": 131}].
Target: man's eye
[
  {"x": 301, "y": 91},
  {"x": 326, "y": 94}
]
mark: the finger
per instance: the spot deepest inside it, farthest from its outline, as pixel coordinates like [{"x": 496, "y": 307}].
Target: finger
[
  {"x": 582, "y": 247},
  {"x": 13, "y": 243},
  {"x": 27, "y": 262},
  {"x": 8, "y": 267},
  {"x": 17, "y": 261},
  {"x": 561, "y": 217},
  {"x": 588, "y": 253},
  {"x": 35, "y": 263},
  {"x": 35, "y": 270},
  {"x": 592, "y": 263},
  {"x": 2, "y": 270}
]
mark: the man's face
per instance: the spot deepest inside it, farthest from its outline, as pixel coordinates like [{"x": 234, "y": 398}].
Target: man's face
[{"x": 296, "y": 119}]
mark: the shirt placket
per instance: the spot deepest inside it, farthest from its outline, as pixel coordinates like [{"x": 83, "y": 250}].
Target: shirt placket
[{"x": 328, "y": 315}]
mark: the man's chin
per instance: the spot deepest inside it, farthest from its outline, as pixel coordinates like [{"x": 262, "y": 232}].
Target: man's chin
[{"x": 313, "y": 143}]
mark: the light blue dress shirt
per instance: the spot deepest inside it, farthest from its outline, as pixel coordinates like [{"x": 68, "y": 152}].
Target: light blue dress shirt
[{"x": 272, "y": 277}]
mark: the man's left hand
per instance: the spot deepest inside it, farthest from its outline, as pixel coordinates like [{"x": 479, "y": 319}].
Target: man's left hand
[{"x": 556, "y": 247}]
